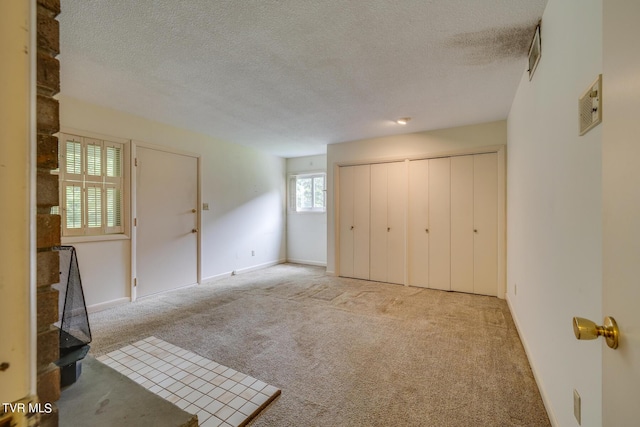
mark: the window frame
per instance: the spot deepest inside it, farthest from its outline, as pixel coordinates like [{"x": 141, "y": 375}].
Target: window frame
[
  {"x": 292, "y": 192},
  {"x": 102, "y": 181}
]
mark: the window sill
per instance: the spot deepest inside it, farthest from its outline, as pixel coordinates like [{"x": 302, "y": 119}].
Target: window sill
[
  {"x": 307, "y": 212},
  {"x": 101, "y": 238}
]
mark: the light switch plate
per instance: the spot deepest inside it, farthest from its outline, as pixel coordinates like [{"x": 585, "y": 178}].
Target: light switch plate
[
  {"x": 205, "y": 206},
  {"x": 590, "y": 106}
]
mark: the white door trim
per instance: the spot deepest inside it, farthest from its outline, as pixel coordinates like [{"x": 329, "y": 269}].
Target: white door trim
[{"x": 133, "y": 191}]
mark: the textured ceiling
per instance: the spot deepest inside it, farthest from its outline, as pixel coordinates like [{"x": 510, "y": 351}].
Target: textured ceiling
[{"x": 291, "y": 76}]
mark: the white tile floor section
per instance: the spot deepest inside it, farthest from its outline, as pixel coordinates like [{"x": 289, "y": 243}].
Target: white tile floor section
[{"x": 220, "y": 396}]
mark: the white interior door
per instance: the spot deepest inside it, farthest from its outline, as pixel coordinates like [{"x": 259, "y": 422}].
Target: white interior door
[
  {"x": 462, "y": 224},
  {"x": 354, "y": 221},
  {"x": 621, "y": 210},
  {"x": 167, "y": 220},
  {"x": 347, "y": 225},
  {"x": 440, "y": 224},
  {"x": 379, "y": 233},
  {"x": 396, "y": 219},
  {"x": 485, "y": 224},
  {"x": 418, "y": 229},
  {"x": 361, "y": 219}
]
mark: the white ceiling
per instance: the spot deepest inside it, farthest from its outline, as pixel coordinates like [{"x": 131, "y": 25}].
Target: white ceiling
[{"x": 291, "y": 76}]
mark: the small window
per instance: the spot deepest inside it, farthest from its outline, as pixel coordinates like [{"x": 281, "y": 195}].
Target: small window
[
  {"x": 308, "y": 192},
  {"x": 91, "y": 186}
]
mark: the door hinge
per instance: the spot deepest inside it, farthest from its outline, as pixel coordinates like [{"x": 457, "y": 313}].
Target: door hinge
[
  {"x": 135, "y": 222},
  {"x": 135, "y": 282},
  {"x": 135, "y": 161}
]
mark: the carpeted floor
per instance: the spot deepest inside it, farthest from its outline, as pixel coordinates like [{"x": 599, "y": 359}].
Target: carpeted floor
[{"x": 347, "y": 352}]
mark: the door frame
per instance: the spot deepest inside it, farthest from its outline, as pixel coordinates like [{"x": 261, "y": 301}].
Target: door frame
[
  {"x": 134, "y": 214},
  {"x": 501, "y": 151}
]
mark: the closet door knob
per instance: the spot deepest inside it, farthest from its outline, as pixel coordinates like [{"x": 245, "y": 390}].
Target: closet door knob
[
  {"x": 426, "y": 230},
  {"x": 388, "y": 228},
  {"x": 475, "y": 230},
  {"x": 352, "y": 227}
]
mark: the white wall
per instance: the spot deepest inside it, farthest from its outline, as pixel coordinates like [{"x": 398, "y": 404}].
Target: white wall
[
  {"x": 554, "y": 211},
  {"x": 245, "y": 190},
  {"x": 399, "y": 147},
  {"x": 307, "y": 231},
  {"x": 17, "y": 238}
]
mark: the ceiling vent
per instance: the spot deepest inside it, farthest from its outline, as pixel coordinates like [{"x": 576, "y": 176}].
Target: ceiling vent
[{"x": 590, "y": 106}]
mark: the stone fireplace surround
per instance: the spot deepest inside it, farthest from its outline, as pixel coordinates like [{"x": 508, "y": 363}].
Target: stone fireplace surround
[{"x": 48, "y": 225}]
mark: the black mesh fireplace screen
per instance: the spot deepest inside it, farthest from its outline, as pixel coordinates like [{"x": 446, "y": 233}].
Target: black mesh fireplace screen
[{"x": 75, "y": 332}]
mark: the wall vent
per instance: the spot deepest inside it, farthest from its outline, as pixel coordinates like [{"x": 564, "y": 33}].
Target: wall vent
[
  {"x": 590, "y": 106},
  {"x": 535, "y": 50}
]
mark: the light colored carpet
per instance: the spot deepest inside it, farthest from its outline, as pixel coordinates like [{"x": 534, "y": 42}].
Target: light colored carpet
[{"x": 347, "y": 352}]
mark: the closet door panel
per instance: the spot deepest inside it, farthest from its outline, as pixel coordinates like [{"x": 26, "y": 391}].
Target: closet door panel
[
  {"x": 439, "y": 224},
  {"x": 361, "y": 208},
  {"x": 462, "y": 250},
  {"x": 346, "y": 211},
  {"x": 378, "y": 245},
  {"x": 485, "y": 207},
  {"x": 396, "y": 222},
  {"x": 418, "y": 234}
]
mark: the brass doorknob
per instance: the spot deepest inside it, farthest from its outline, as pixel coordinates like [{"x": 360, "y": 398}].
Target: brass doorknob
[
  {"x": 352, "y": 227},
  {"x": 194, "y": 230},
  {"x": 4, "y": 366},
  {"x": 585, "y": 329}
]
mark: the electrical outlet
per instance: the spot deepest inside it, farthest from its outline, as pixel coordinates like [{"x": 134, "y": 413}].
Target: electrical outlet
[
  {"x": 576, "y": 406},
  {"x": 253, "y": 253}
]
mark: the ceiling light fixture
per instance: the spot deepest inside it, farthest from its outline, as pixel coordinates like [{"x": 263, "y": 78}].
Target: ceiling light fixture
[{"x": 403, "y": 120}]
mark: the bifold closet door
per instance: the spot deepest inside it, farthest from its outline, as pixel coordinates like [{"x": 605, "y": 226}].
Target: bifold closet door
[
  {"x": 354, "y": 202},
  {"x": 440, "y": 223},
  {"x": 418, "y": 228},
  {"x": 485, "y": 208},
  {"x": 388, "y": 201},
  {"x": 462, "y": 223}
]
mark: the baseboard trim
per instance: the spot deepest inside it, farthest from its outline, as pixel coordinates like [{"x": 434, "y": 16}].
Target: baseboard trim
[
  {"x": 243, "y": 270},
  {"x": 261, "y": 266},
  {"x": 536, "y": 376},
  {"x": 307, "y": 262},
  {"x": 94, "y": 308}
]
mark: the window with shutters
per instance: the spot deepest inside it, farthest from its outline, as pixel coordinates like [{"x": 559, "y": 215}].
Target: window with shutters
[
  {"x": 91, "y": 186},
  {"x": 307, "y": 193}
]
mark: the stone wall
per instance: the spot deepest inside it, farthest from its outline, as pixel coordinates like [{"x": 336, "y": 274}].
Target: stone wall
[{"x": 48, "y": 225}]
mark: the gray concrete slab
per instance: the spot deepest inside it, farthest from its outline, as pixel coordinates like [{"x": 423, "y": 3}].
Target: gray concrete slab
[{"x": 102, "y": 397}]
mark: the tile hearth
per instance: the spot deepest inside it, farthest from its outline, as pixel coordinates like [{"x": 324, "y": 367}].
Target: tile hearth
[{"x": 219, "y": 395}]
